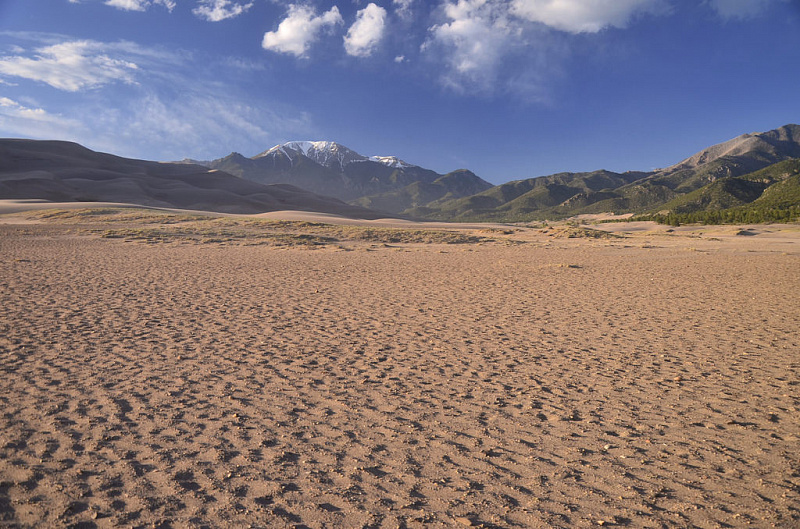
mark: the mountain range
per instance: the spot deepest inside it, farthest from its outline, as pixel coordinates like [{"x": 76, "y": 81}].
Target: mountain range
[
  {"x": 753, "y": 170},
  {"x": 385, "y": 183},
  {"x": 718, "y": 170}
]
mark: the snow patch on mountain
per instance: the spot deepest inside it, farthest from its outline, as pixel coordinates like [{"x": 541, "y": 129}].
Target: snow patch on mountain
[
  {"x": 391, "y": 161},
  {"x": 330, "y": 153},
  {"x": 327, "y": 153}
]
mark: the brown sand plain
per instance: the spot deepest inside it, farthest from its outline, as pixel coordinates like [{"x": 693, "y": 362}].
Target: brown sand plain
[{"x": 169, "y": 372}]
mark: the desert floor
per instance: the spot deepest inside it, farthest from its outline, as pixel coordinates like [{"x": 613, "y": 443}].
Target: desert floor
[{"x": 161, "y": 370}]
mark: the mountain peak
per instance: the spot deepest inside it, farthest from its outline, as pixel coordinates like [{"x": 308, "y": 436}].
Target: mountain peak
[
  {"x": 772, "y": 146},
  {"x": 330, "y": 154},
  {"x": 327, "y": 153}
]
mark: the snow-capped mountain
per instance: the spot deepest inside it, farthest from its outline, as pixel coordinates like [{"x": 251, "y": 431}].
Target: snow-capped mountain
[
  {"x": 329, "y": 168},
  {"x": 327, "y": 153},
  {"x": 330, "y": 154}
]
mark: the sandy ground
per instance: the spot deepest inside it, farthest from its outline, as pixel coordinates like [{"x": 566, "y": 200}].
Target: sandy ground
[{"x": 524, "y": 380}]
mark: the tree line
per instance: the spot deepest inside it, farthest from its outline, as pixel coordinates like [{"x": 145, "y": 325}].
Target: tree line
[{"x": 727, "y": 216}]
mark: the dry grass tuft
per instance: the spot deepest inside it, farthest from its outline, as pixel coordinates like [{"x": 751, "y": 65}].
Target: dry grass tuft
[{"x": 576, "y": 232}]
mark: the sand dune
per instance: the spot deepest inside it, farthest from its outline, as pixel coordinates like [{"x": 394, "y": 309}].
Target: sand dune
[
  {"x": 525, "y": 379},
  {"x": 9, "y": 207},
  {"x": 59, "y": 171}
]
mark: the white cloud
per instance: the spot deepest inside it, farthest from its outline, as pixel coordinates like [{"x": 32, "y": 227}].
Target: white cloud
[
  {"x": 217, "y": 10},
  {"x": 740, "y": 8},
  {"x": 584, "y": 16},
  {"x": 11, "y": 107},
  {"x": 202, "y": 124},
  {"x": 179, "y": 104},
  {"x": 300, "y": 29},
  {"x": 129, "y": 5},
  {"x": 403, "y": 7},
  {"x": 492, "y": 47},
  {"x": 70, "y": 66},
  {"x": 181, "y": 123},
  {"x": 366, "y": 32},
  {"x": 473, "y": 42},
  {"x": 17, "y": 119},
  {"x": 137, "y": 5},
  {"x": 157, "y": 127}
]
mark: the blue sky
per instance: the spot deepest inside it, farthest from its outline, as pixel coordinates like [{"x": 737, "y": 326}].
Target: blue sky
[{"x": 509, "y": 89}]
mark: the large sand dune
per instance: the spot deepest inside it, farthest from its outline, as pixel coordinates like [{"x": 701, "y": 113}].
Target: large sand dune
[
  {"x": 59, "y": 171},
  {"x": 167, "y": 372}
]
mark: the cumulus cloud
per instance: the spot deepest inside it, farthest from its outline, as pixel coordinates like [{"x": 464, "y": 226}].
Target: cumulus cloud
[
  {"x": 138, "y": 5},
  {"x": 300, "y": 29},
  {"x": 584, "y": 16},
  {"x": 740, "y": 8},
  {"x": 473, "y": 42},
  {"x": 366, "y": 32},
  {"x": 70, "y": 66},
  {"x": 129, "y": 5},
  {"x": 516, "y": 46},
  {"x": 217, "y": 10}
]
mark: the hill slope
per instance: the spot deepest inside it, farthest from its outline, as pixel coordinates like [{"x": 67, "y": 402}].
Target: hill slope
[
  {"x": 531, "y": 198},
  {"x": 708, "y": 179},
  {"x": 771, "y": 194}
]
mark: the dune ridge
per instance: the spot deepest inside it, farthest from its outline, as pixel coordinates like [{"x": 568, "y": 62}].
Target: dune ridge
[{"x": 59, "y": 171}]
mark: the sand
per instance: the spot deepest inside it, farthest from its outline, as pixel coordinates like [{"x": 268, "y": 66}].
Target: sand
[{"x": 525, "y": 379}]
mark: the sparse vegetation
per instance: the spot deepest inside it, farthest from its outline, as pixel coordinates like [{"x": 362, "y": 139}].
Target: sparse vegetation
[
  {"x": 153, "y": 226},
  {"x": 76, "y": 216},
  {"x": 578, "y": 232}
]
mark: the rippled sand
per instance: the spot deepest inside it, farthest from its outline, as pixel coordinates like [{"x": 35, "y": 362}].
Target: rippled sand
[{"x": 523, "y": 379}]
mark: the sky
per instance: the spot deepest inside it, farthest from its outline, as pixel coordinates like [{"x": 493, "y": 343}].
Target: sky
[{"x": 508, "y": 89}]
